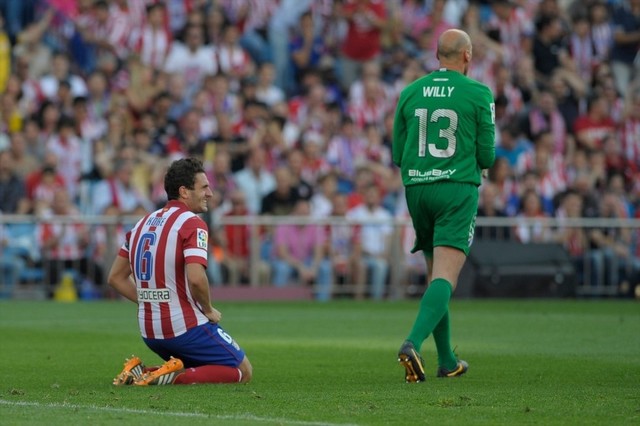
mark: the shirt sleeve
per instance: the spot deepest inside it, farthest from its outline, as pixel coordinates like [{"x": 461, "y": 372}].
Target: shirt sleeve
[
  {"x": 124, "y": 249},
  {"x": 195, "y": 241},
  {"x": 486, "y": 150}
]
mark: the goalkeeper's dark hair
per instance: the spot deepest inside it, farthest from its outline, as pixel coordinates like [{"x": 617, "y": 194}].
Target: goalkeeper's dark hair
[{"x": 181, "y": 173}]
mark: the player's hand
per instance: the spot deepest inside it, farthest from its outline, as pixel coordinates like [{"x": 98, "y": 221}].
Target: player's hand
[{"x": 214, "y": 315}]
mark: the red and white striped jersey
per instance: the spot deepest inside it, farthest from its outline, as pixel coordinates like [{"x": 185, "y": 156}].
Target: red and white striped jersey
[
  {"x": 629, "y": 134},
  {"x": 249, "y": 14},
  {"x": 159, "y": 247},
  {"x": 71, "y": 237},
  {"x": 120, "y": 27},
  {"x": 153, "y": 45}
]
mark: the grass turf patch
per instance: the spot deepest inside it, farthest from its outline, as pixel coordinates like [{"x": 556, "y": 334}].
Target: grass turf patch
[{"x": 531, "y": 362}]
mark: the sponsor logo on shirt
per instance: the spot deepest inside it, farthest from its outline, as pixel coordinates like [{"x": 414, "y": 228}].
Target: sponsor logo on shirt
[
  {"x": 154, "y": 295},
  {"x": 202, "y": 238},
  {"x": 430, "y": 175}
]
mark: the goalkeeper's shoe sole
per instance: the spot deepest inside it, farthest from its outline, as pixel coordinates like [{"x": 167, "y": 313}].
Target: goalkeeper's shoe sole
[
  {"x": 412, "y": 362},
  {"x": 132, "y": 371},
  {"x": 460, "y": 369},
  {"x": 164, "y": 375}
]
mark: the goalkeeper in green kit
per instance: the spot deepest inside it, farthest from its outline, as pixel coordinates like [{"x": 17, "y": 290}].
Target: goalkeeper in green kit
[{"x": 443, "y": 137}]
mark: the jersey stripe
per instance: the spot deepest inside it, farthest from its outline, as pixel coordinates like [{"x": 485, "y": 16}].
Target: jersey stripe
[
  {"x": 160, "y": 268},
  {"x": 144, "y": 310}
]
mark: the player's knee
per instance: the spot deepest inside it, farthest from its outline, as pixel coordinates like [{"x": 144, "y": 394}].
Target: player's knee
[{"x": 246, "y": 369}]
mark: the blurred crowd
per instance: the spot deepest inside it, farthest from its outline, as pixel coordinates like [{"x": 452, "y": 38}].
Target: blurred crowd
[{"x": 290, "y": 105}]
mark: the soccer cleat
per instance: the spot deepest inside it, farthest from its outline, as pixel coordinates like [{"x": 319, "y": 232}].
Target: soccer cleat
[
  {"x": 460, "y": 369},
  {"x": 132, "y": 370},
  {"x": 164, "y": 375},
  {"x": 412, "y": 362}
]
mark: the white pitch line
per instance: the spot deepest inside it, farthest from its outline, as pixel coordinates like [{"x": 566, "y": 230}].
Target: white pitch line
[{"x": 168, "y": 413}]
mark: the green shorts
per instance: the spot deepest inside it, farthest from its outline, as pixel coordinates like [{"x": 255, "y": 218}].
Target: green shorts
[{"x": 443, "y": 214}]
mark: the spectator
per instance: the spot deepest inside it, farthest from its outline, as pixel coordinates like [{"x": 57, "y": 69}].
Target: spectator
[
  {"x": 61, "y": 71},
  {"x": 143, "y": 86},
  {"x": 233, "y": 60},
  {"x": 266, "y": 90},
  {"x": 435, "y": 20},
  {"x": 323, "y": 201},
  {"x": 13, "y": 198},
  {"x": 219, "y": 173},
  {"x": 300, "y": 252},
  {"x": 593, "y": 127},
  {"x": 282, "y": 28},
  {"x": 255, "y": 180},
  {"x": 281, "y": 201},
  {"x": 378, "y": 155},
  {"x": 68, "y": 147},
  {"x": 512, "y": 144},
  {"x": 549, "y": 168},
  {"x": 601, "y": 32},
  {"x": 190, "y": 138},
  {"x": 306, "y": 47},
  {"x": 154, "y": 41},
  {"x": 295, "y": 163},
  {"x": 345, "y": 249},
  {"x": 31, "y": 49},
  {"x": 612, "y": 246},
  {"x": 506, "y": 88},
  {"x": 630, "y": 130},
  {"x": 375, "y": 234},
  {"x": 226, "y": 140},
  {"x": 510, "y": 26},
  {"x": 606, "y": 86},
  {"x": 374, "y": 105},
  {"x": 625, "y": 23},
  {"x": 549, "y": 49},
  {"x": 501, "y": 174},
  {"x": 11, "y": 264},
  {"x": 222, "y": 99},
  {"x": 575, "y": 239},
  {"x": 491, "y": 205},
  {"x": 569, "y": 93},
  {"x": 236, "y": 240},
  {"x": 24, "y": 163},
  {"x": 314, "y": 161},
  {"x": 362, "y": 43},
  {"x": 343, "y": 151},
  {"x": 215, "y": 22},
  {"x": 582, "y": 47},
  {"x": 116, "y": 194},
  {"x": 532, "y": 227},
  {"x": 254, "y": 15},
  {"x": 192, "y": 59},
  {"x": 544, "y": 116},
  {"x": 64, "y": 245}
]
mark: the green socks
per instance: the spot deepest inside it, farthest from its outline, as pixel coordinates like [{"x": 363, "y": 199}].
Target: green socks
[
  {"x": 442, "y": 337},
  {"x": 433, "y": 317}
]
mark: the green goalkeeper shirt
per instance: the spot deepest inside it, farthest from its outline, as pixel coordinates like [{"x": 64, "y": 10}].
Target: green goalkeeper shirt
[{"x": 444, "y": 129}]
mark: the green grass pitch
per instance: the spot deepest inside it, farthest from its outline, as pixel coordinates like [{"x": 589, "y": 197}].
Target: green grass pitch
[{"x": 536, "y": 362}]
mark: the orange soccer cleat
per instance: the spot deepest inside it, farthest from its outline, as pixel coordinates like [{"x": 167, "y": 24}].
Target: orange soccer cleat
[
  {"x": 165, "y": 375},
  {"x": 132, "y": 371}
]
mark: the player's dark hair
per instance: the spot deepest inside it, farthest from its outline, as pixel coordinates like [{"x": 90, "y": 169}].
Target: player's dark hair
[{"x": 181, "y": 173}]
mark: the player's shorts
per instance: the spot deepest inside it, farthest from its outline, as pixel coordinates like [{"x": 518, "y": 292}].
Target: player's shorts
[
  {"x": 443, "y": 214},
  {"x": 206, "y": 344}
]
